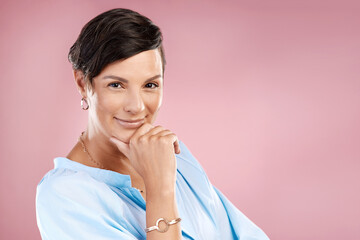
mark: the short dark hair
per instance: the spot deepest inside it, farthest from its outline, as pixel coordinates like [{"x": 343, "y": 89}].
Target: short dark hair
[{"x": 113, "y": 35}]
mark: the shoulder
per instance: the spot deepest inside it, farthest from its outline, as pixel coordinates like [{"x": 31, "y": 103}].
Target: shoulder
[
  {"x": 60, "y": 176},
  {"x": 191, "y": 169},
  {"x": 185, "y": 157},
  {"x": 66, "y": 188},
  {"x": 67, "y": 197},
  {"x": 64, "y": 181}
]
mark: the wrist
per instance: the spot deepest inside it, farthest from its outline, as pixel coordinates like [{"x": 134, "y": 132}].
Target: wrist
[
  {"x": 160, "y": 190},
  {"x": 159, "y": 185}
]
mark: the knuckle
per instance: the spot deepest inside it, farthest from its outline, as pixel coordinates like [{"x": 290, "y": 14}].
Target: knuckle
[
  {"x": 164, "y": 139},
  {"x": 158, "y": 127},
  {"x": 131, "y": 142},
  {"x": 171, "y": 135},
  {"x": 153, "y": 138},
  {"x": 142, "y": 139}
]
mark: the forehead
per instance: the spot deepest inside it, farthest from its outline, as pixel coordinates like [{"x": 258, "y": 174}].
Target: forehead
[{"x": 142, "y": 65}]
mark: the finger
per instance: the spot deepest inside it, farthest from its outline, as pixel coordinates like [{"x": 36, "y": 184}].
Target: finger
[
  {"x": 172, "y": 137},
  {"x": 157, "y": 134},
  {"x": 164, "y": 132},
  {"x": 177, "y": 147},
  {"x": 154, "y": 131},
  {"x": 143, "y": 129},
  {"x": 123, "y": 147},
  {"x": 176, "y": 144}
]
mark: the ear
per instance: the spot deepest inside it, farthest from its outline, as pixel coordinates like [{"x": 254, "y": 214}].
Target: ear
[{"x": 80, "y": 82}]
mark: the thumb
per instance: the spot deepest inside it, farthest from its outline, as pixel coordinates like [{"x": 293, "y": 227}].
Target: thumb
[{"x": 123, "y": 147}]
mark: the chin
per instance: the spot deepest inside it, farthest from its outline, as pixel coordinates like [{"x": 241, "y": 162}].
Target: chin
[{"x": 124, "y": 135}]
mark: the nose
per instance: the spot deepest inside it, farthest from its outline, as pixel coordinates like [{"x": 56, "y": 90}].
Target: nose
[{"x": 134, "y": 102}]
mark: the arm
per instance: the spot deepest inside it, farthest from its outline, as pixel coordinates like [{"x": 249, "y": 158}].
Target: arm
[
  {"x": 161, "y": 204},
  {"x": 151, "y": 151}
]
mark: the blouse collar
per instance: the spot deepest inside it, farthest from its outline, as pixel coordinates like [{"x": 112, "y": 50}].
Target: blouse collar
[{"x": 107, "y": 176}]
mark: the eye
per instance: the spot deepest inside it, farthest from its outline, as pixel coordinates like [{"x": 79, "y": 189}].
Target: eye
[
  {"x": 151, "y": 85},
  {"x": 115, "y": 85}
]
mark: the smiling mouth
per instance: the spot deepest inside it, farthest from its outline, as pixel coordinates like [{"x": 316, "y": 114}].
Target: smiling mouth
[{"x": 130, "y": 123}]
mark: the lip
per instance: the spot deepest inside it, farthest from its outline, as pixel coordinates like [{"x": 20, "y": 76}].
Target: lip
[{"x": 130, "y": 123}]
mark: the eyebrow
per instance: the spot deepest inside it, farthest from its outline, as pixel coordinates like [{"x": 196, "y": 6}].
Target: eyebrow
[{"x": 126, "y": 81}]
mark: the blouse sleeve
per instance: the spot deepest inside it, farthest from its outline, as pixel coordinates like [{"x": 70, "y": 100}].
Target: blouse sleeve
[
  {"x": 241, "y": 227},
  {"x": 68, "y": 208}
]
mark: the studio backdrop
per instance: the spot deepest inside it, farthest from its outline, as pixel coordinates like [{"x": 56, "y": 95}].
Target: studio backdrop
[{"x": 266, "y": 95}]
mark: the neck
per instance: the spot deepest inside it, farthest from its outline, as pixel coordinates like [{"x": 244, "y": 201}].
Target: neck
[{"x": 103, "y": 151}]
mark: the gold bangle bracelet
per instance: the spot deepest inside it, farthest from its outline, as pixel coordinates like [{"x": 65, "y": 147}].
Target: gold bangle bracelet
[{"x": 156, "y": 227}]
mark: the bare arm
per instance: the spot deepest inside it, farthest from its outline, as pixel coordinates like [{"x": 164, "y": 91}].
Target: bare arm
[{"x": 162, "y": 204}]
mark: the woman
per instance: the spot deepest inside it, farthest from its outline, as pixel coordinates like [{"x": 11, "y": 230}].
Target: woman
[{"x": 126, "y": 178}]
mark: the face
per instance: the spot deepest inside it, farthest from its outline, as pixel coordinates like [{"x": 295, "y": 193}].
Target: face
[{"x": 126, "y": 91}]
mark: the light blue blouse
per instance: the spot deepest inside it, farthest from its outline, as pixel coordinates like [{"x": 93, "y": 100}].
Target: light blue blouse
[{"x": 74, "y": 201}]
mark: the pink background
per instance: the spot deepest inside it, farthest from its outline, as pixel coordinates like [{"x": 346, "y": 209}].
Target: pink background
[{"x": 265, "y": 95}]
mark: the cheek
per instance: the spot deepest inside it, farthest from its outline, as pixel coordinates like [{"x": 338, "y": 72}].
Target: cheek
[
  {"x": 106, "y": 104},
  {"x": 154, "y": 103}
]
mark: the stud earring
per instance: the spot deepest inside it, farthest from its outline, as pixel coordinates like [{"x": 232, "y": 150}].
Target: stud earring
[{"x": 84, "y": 104}]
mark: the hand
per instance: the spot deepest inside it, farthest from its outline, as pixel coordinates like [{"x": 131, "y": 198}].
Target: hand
[{"x": 151, "y": 151}]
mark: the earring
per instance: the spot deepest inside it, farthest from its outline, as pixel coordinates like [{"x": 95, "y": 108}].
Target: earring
[{"x": 84, "y": 106}]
